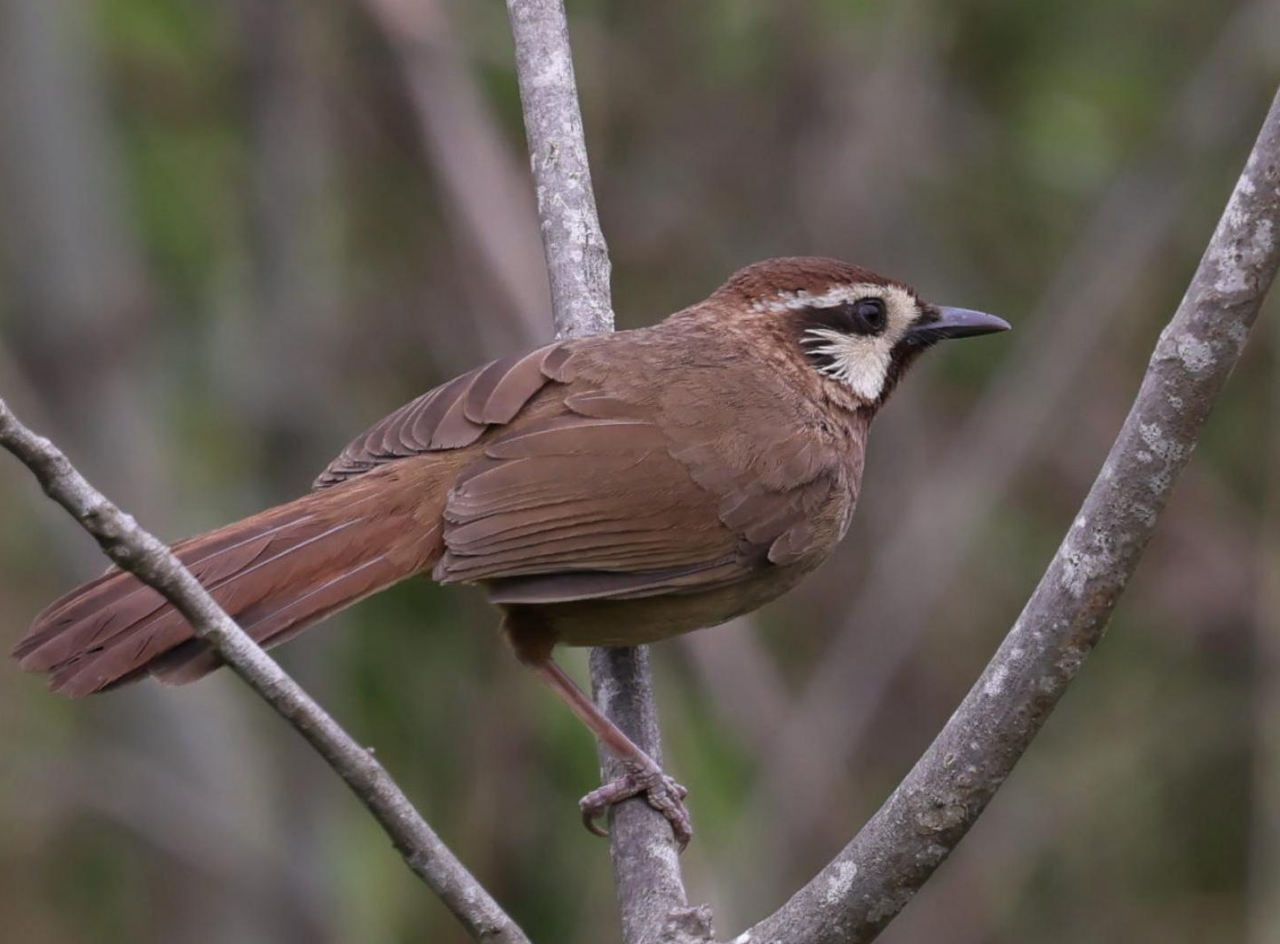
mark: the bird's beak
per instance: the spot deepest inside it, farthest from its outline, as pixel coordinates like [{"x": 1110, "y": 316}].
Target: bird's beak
[{"x": 957, "y": 323}]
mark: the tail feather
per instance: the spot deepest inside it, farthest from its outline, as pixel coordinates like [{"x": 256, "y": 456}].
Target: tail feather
[
  {"x": 275, "y": 573},
  {"x": 83, "y": 616},
  {"x": 193, "y": 660}
]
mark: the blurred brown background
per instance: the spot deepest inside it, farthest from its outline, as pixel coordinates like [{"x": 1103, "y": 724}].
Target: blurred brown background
[{"x": 233, "y": 232}]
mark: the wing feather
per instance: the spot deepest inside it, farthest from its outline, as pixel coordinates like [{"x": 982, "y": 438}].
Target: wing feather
[
  {"x": 451, "y": 416},
  {"x": 618, "y": 483}
]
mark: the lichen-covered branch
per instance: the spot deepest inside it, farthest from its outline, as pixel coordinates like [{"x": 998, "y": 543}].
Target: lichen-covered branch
[
  {"x": 872, "y": 879},
  {"x": 147, "y": 558},
  {"x": 646, "y": 865},
  {"x": 651, "y": 892},
  {"x": 577, "y": 257}
]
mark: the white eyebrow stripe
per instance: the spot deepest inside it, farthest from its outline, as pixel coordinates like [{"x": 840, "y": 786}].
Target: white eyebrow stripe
[{"x": 836, "y": 295}]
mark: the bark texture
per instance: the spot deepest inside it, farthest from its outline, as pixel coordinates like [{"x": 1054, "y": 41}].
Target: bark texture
[{"x": 577, "y": 257}]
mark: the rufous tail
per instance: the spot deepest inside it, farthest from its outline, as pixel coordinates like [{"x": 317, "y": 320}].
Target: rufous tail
[{"x": 275, "y": 573}]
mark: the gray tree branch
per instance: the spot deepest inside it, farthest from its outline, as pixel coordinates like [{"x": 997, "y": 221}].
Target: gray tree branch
[
  {"x": 147, "y": 558},
  {"x": 860, "y": 891},
  {"x": 577, "y": 257},
  {"x": 1080, "y": 309},
  {"x": 651, "y": 892}
]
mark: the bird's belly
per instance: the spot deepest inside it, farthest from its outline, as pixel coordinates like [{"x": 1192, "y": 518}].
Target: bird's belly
[{"x": 648, "y": 619}]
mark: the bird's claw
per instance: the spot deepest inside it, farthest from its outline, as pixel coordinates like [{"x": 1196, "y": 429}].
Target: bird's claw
[{"x": 662, "y": 793}]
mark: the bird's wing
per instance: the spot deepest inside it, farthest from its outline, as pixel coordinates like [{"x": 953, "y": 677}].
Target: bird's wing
[
  {"x": 451, "y": 416},
  {"x": 611, "y": 470},
  {"x": 675, "y": 482}
]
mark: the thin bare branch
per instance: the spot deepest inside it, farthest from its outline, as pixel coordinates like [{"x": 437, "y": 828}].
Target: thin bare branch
[
  {"x": 147, "y": 558},
  {"x": 646, "y": 864},
  {"x": 651, "y": 891},
  {"x": 856, "y": 895},
  {"x": 577, "y": 257}
]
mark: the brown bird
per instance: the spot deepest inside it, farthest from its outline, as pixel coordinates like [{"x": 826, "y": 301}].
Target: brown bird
[{"x": 612, "y": 490}]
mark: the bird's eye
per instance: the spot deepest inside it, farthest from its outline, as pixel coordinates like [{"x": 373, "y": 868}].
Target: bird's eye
[{"x": 869, "y": 315}]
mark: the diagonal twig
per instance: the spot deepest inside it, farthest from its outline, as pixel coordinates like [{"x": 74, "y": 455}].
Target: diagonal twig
[
  {"x": 577, "y": 257},
  {"x": 827, "y": 726},
  {"x": 148, "y": 559},
  {"x": 856, "y": 895}
]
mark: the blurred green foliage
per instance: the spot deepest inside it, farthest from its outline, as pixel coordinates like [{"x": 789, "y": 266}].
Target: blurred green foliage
[{"x": 280, "y": 262}]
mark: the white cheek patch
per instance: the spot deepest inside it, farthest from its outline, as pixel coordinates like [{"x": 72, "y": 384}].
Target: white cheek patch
[{"x": 860, "y": 363}]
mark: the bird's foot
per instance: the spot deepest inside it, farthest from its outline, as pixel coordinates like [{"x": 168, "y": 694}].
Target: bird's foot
[{"x": 662, "y": 793}]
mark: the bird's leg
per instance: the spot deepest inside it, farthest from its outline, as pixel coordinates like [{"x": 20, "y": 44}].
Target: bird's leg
[{"x": 643, "y": 775}]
